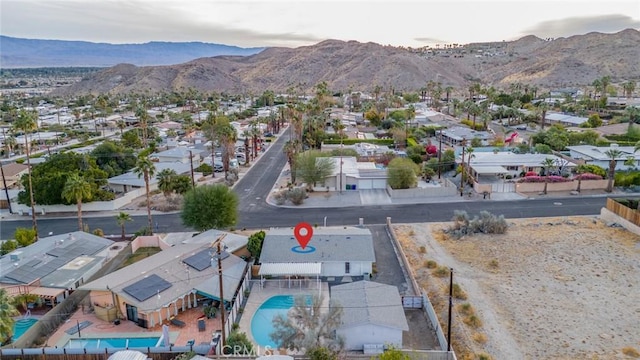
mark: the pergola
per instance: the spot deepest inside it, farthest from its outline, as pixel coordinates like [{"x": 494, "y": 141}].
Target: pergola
[{"x": 291, "y": 269}]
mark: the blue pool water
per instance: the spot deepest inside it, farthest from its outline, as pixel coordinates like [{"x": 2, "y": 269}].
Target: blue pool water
[
  {"x": 21, "y": 326},
  {"x": 101, "y": 343},
  {"x": 262, "y": 321}
]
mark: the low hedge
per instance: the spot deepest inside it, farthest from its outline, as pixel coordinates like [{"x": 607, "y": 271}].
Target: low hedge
[{"x": 357, "y": 141}]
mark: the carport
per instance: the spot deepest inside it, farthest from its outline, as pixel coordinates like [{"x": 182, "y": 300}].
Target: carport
[{"x": 478, "y": 170}]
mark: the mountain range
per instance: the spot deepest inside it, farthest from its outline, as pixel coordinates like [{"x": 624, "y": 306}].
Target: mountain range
[
  {"x": 21, "y": 53},
  {"x": 546, "y": 63}
]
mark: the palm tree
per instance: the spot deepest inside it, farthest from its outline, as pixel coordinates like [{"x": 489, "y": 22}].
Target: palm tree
[
  {"x": 121, "y": 219},
  {"x": 7, "y": 312},
  {"x": 26, "y": 122},
  {"x": 246, "y": 134},
  {"x": 629, "y": 87},
  {"x": 165, "y": 181},
  {"x": 543, "y": 107},
  {"x": 75, "y": 189},
  {"x": 547, "y": 164},
  {"x": 145, "y": 168},
  {"x": 228, "y": 137},
  {"x": 469, "y": 156},
  {"x": 613, "y": 155},
  {"x": 121, "y": 124}
]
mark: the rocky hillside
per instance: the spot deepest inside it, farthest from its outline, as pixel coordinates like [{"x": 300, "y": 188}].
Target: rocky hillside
[{"x": 573, "y": 61}]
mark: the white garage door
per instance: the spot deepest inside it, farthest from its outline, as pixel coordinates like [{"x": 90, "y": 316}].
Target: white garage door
[
  {"x": 365, "y": 184},
  {"x": 380, "y": 184}
]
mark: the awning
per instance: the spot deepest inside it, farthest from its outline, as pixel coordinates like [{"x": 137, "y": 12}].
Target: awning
[
  {"x": 489, "y": 169},
  {"x": 290, "y": 269},
  {"x": 47, "y": 293}
]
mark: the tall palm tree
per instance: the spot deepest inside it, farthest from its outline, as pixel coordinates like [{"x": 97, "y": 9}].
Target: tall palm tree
[
  {"x": 7, "y": 312},
  {"x": 121, "y": 219},
  {"x": 228, "y": 136},
  {"x": 145, "y": 168},
  {"x": 75, "y": 189},
  {"x": 613, "y": 155},
  {"x": 469, "y": 156},
  {"x": 629, "y": 87},
  {"x": 543, "y": 107},
  {"x": 547, "y": 164},
  {"x": 26, "y": 122},
  {"x": 246, "y": 135},
  {"x": 166, "y": 178}
]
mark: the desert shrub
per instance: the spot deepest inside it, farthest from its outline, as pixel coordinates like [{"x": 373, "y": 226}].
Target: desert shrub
[
  {"x": 493, "y": 264},
  {"x": 480, "y": 338},
  {"x": 441, "y": 271},
  {"x": 458, "y": 293},
  {"x": 280, "y": 197},
  {"x": 430, "y": 264},
  {"x": 466, "y": 309},
  {"x": 296, "y": 195},
  {"x": 631, "y": 352},
  {"x": 625, "y": 179},
  {"x": 422, "y": 250},
  {"x": 472, "y": 321},
  {"x": 483, "y": 356},
  {"x": 592, "y": 169},
  {"x": 485, "y": 223},
  {"x": 98, "y": 232}
]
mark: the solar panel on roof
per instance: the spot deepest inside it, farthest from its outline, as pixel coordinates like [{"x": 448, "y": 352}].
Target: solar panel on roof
[
  {"x": 147, "y": 287},
  {"x": 200, "y": 260}
]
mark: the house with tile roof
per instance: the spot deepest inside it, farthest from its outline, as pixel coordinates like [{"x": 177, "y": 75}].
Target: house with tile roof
[{"x": 372, "y": 315}]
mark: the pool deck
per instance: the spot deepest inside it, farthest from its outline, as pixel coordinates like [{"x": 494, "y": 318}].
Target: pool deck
[
  {"x": 128, "y": 329},
  {"x": 260, "y": 294}
]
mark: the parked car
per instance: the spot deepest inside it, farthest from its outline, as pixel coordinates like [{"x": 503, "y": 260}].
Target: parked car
[
  {"x": 268, "y": 135},
  {"x": 521, "y": 127},
  {"x": 218, "y": 167}
]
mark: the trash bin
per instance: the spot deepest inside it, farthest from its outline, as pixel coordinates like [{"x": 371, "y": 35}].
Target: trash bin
[{"x": 353, "y": 187}]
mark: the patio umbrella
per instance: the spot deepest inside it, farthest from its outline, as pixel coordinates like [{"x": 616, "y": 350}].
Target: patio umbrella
[{"x": 165, "y": 336}]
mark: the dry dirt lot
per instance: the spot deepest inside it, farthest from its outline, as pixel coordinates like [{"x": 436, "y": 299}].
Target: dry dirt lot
[{"x": 550, "y": 288}]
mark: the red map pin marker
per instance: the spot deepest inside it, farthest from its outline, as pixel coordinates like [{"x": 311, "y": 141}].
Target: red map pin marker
[{"x": 303, "y": 233}]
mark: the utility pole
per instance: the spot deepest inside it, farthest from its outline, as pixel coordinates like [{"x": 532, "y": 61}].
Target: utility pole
[
  {"x": 6, "y": 190},
  {"x": 450, "y": 307},
  {"x": 193, "y": 184},
  {"x": 462, "y": 172},
  {"x": 218, "y": 244},
  {"x": 439, "y": 154},
  {"x": 223, "y": 310}
]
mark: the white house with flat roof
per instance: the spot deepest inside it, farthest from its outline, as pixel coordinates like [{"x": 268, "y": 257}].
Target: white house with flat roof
[
  {"x": 597, "y": 155},
  {"x": 331, "y": 252},
  {"x": 131, "y": 181},
  {"x": 509, "y": 163},
  {"x": 372, "y": 315},
  {"x": 350, "y": 174},
  {"x": 564, "y": 119},
  {"x": 456, "y": 135}
]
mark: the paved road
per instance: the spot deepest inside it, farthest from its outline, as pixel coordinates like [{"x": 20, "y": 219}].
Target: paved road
[{"x": 261, "y": 215}]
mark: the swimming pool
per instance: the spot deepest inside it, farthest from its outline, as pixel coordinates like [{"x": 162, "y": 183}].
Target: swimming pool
[
  {"x": 21, "y": 326},
  {"x": 262, "y": 321},
  {"x": 121, "y": 343}
]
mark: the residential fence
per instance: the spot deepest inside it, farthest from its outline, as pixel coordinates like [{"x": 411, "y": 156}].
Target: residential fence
[
  {"x": 446, "y": 188},
  {"x": 112, "y": 205},
  {"x": 426, "y": 304},
  {"x": 625, "y": 212}
]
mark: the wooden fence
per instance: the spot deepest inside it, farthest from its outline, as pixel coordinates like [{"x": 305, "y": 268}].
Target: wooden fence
[{"x": 632, "y": 215}]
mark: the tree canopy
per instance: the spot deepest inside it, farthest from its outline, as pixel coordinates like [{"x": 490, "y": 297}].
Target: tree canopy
[
  {"x": 49, "y": 179},
  {"x": 402, "y": 173},
  {"x": 114, "y": 158},
  {"x": 312, "y": 167},
  {"x": 210, "y": 207}
]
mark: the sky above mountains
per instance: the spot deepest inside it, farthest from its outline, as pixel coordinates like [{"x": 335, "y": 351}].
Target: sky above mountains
[{"x": 262, "y": 23}]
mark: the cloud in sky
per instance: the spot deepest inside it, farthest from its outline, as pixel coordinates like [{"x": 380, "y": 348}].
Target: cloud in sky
[
  {"x": 583, "y": 25},
  {"x": 304, "y": 22}
]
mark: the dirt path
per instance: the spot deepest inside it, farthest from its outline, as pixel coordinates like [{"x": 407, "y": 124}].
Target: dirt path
[{"x": 561, "y": 288}]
